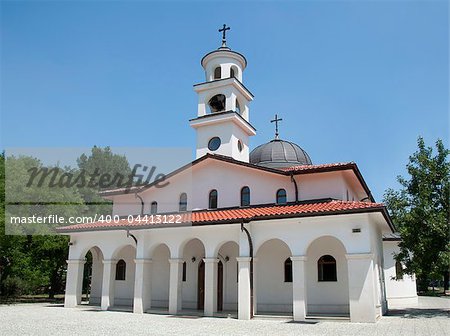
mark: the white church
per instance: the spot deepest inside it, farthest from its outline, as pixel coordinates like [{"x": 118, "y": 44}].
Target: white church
[{"x": 242, "y": 233}]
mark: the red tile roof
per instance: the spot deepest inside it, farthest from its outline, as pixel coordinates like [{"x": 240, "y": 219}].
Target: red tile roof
[{"x": 235, "y": 215}]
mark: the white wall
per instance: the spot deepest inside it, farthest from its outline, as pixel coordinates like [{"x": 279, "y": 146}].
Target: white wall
[
  {"x": 160, "y": 277},
  {"x": 399, "y": 292},
  {"x": 272, "y": 293},
  {"x": 124, "y": 289},
  {"x": 230, "y": 284},
  {"x": 193, "y": 248},
  {"x": 228, "y": 179},
  {"x": 329, "y": 297}
]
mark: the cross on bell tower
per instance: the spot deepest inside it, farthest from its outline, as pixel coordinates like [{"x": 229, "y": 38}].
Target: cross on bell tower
[
  {"x": 223, "y": 31},
  {"x": 276, "y": 120}
]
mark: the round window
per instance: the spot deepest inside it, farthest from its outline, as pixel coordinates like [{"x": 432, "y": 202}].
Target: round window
[
  {"x": 240, "y": 146},
  {"x": 214, "y": 144}
]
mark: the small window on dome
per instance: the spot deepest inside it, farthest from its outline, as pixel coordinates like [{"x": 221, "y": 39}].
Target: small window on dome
[
  {"x": 238, "y": 107},
  {"x": 281, "y": 196},
  {"x": 232, "y": 75},
  {"x": 218, "y": 73}
]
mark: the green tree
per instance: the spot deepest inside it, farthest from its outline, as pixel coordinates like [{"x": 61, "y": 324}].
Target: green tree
[
  {"x": 420, "y": 210},
  {"x": 33, "y": 260},
  {"x": 101, "y": 163}
]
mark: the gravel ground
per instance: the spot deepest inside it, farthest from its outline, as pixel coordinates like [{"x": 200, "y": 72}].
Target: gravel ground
[{"x": 430, "y": 317}]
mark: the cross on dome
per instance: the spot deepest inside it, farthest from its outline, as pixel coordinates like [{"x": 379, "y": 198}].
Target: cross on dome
[
  {"x": 223, "y": 31},
  {"x": 276, "y": 120}
]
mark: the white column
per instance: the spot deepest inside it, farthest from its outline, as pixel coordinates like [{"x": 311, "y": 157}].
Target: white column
[
  {"x": 142, "y": 286},
  {"x": 299, "y": 287},
  {"x": 176, "y": 273},
  {"x": 244, "y": 288},
  {"x": 109, "y": 277},
  {"x": 360, "y": 286},
  {"x": 74, "y": 282},
  {"x": 255, "y": 280},
  {"x": 210, "y": 286}
]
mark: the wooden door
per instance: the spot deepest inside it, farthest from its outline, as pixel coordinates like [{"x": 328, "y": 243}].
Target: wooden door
[
  {"x": 219, "y": 286},
  {"x": 201, "y": 286}
]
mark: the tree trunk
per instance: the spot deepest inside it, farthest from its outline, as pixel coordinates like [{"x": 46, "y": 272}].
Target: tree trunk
[{"x": 446, "y": 279}]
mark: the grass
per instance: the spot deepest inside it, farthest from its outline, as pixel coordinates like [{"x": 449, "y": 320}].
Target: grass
[{"x": 32, "y": 299}]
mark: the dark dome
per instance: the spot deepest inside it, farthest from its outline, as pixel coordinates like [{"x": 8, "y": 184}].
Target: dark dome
[{"x": 279, "y": 154}]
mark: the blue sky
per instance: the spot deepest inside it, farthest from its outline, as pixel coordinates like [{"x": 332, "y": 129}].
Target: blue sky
[{"x": 353, "y": 81}]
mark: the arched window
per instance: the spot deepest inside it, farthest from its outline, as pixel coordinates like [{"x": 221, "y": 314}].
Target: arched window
[
  {"x": 184, "y": 272},
  {"x": 121, "y": 269},
  {"x": 213, "y": 199},
  {"x": 183, "y": 202},
  {"x": 218, "y": 73},
  {"x": 217, "y": 103},
  {"x": 238, "y": 107},
  {"x": 398, "y": 270},
  {"x": 326, "y": 266},
  {"x": 153, "y": 207},
  {"x": 288, "y": 270},
  {"x": 281, "y": 196},
  {"x": 245, "y": 196},
  {"x": 232, "y": 73}
]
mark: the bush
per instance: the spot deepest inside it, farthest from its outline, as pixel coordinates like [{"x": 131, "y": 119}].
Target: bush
[{"x": 12, "y": 287}]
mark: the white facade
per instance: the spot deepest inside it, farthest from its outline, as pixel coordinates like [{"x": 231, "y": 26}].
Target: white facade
[
  {"x": 304, "y": 264},
  {"x": 400, "y": 288}
]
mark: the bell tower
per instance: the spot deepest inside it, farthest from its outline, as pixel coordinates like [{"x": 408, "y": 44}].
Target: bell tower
[{"x": 222, "y": 123}]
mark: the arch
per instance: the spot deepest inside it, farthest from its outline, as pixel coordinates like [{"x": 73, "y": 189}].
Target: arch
[
  {"x": 217, "y": 103},
  {"x": 160, "y": 255},
  {"x": 123, "y": 292},
  {"x": 234, "y": 72},
  {"x": 269, "y": 269},
  {"x": 92, "y": 275},
  {"x": 245, "y": 196},
  {"x": 182, "y": 206},
  {"x": 193, "y": 253},
  {"x": 281, "y": 196},
  {"x": 331, "y": 237},
  {"x": 238, "y": 107},
  {"x": 153, "y": 207},
  {"x": 218, "y": 72},
  {"x": 326, "y": 295},
  {"x": 213, "y": 199},
  {"x": 227, "y": 285}
]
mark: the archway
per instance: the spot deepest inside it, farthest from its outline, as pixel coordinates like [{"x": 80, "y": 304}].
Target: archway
[
  {"x": 273, "y": 291},
  {"x": 327, "y": 278},
  {"x": 227, "y": 277},
  {"x": 92, "y": 277},
  {"x": 192, "y": 289},
  {"x": 160, "y": 277},
  {"x": 123, "y": 275}
]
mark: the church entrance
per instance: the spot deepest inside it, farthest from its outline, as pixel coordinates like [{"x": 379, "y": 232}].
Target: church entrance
[
  {"x": 201, "y": 286},
  {"x": 220, "y": 286}
]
